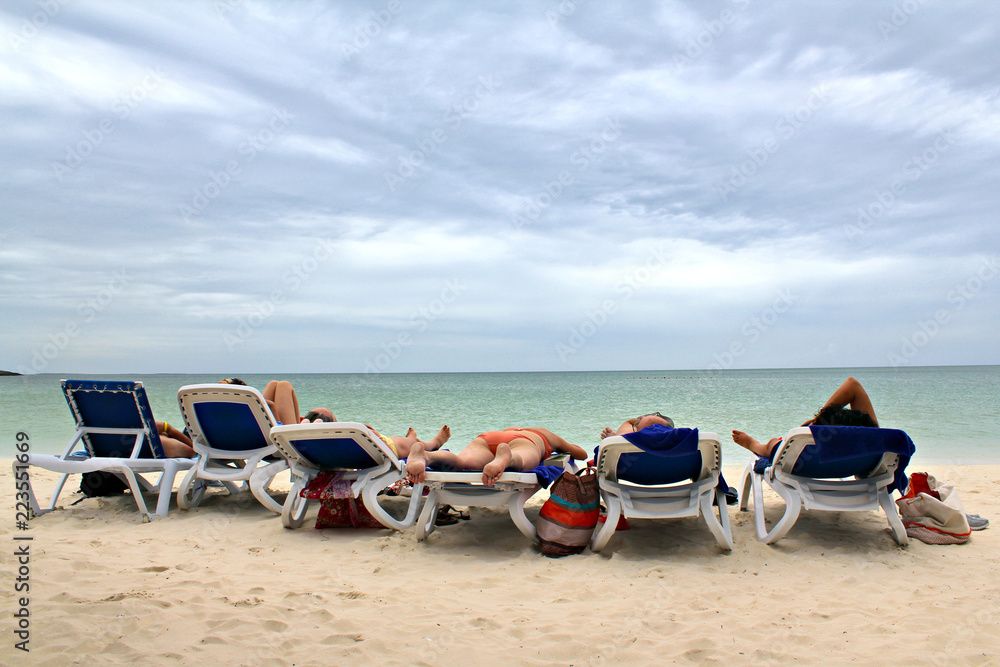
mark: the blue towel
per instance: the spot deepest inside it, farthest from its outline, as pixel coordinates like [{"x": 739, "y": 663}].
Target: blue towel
[
  {"x": 661, "y": 440},
  {"x": 664, "y": 441},
  {"x": 840, "y": 443},
  {"x": 547, "y": 474},
  {"x": 836, "y": 443}
]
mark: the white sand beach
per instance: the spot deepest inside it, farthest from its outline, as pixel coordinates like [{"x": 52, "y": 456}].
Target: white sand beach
[{"x": 227, "y": 584}]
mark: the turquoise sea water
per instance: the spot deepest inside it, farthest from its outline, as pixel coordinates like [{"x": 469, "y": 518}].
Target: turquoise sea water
[{"x": 951, "y": 413}]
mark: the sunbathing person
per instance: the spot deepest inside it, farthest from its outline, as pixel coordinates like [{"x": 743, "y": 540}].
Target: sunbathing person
[
  {"x": 284, "y": 404},
  {"x": 833, "y": 413},
  {"x": 176, "y": 445},
  {"x": 637, "y": 424},
  {"x": 402, "y": 446},
  {"x": 493, "y": 452}
]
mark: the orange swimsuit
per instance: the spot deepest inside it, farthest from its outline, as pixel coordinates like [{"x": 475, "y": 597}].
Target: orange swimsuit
[{"x": 494, "y": 438}]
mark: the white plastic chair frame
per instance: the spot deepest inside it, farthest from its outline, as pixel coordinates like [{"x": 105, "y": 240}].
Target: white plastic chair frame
[
  {"x": 130, "y": 468},
  {"x": 666, "y": 501},
  {"x": 847, "y": 495},
  {"x": 224, "y": 465},
  {"x": 366, "y": 483},
  {"x": 466, "y": 489}
]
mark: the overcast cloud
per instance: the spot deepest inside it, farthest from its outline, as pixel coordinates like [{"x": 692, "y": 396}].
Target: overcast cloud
[{"x": 238, "y": 186}]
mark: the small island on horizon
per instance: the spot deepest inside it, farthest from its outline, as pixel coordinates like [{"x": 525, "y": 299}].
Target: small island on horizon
[{"x": 3, "y": 373}]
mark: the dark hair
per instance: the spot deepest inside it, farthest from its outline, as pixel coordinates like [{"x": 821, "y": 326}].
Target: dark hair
[
  {"x": 313, "y": 415},
  {"x": 838, "y": 415},
  {"x": 234, "y": 381}
]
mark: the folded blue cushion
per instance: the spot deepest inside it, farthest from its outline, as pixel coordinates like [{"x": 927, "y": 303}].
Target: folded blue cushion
[{"x": 835, "y": 444}]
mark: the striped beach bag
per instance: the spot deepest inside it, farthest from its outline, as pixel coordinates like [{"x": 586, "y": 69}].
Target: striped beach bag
[{"x": 567, "y": 520}]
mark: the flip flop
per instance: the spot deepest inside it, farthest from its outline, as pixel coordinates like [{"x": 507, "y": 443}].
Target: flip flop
[{"x": 448, "y": 515}]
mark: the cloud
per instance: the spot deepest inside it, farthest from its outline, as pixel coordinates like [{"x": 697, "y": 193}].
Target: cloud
[{"x": 646, "y": 186}]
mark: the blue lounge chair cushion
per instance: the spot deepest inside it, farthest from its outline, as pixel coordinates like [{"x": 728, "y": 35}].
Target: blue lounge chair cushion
[
  {"x": 845, "y": 451},
  {"x": 334, "y": 453},
  {"x": 119, "y": 404},
  {"x": 668, "y": 455},
  {"x": 848, "y": 451},
  {"x": 230, "y": 426}
]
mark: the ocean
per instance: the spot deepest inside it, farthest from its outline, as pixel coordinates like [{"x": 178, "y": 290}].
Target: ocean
[{"x": 951, "y": 413}]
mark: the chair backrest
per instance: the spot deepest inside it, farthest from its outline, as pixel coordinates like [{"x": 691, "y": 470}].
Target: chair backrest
[
  {"x": 805, "y": 455},
  {"x": 226, "y": 417},
  {"x": 332, "y": 446},
  {"x": 619, "y": 460},
  {"x": 118, "y": 406}
]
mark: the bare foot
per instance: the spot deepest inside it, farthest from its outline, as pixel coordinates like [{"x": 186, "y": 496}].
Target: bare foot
[
  {"x": 442, "y": 437},
  {"x": 416, "y": 463},
  {"x": 607, "y": 432},
  {"x": 748, "y": 442},
  {"x": 495, "y": 468},
  {"x": 410, "y": 433}
]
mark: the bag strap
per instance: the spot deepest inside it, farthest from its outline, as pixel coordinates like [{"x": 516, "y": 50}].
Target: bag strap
[{"x": 585, "y": 475}]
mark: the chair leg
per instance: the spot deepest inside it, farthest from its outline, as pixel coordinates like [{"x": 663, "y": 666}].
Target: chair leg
[
  {"x": 166, "y": 489},
  {"x": 892, "y": 514},
  {"x": 604, "y": 533},
  {"x": 516, "y": 509},
  {"x": 261, "y": 479},
  {"x": 293, "y": 513},
  {"x": 428, "y": 517},
  {"x": 22, "y": 469},
  {"x": 188, "y": 496},
  {"x": 136, "y": 488},
  {"x": 369, "y": 495},
  {"x": 746, "y": 482},
  {"x": 793, "y": 506},
  {"x": 718, "y": 525}
]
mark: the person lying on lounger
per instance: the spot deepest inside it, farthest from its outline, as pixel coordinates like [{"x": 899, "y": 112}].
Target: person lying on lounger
[
  {"x": 403, "y": 445},
  {"x": 833, "y": 413},
  {"x": 176, "y": 444},
  {"x": 637, "y": 424},
  {"x": 284, "y": 404},
  {"x": 493, "y": 452}
]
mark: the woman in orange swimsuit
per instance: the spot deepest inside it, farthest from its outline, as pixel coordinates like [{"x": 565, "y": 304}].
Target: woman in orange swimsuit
[{"x": 493, "y": 452}]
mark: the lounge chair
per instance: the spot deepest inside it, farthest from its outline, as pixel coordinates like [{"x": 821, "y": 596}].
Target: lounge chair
[
  {"x": 115, "y": 424},
  {"x": 230, "y": 427},
  {"x": 679, "y": 481},
  {"x": 353, "y": 450},
  {"x": 466, "y": 489},
  {"x": 809, "y": 471}
]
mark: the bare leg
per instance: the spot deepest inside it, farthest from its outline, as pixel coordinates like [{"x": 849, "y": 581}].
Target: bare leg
[
  {"x": 175, "y": 449},
  {"x": 754, "y": 445},
  {"x": 495, "y": 468},
  {"x": 416, "y": 463},
  {"x": 473, "y": 457},
  {"x": 281, "y": 396},
  {"x": 521, "y": 454},
  {"x": 405, "y": 443}
]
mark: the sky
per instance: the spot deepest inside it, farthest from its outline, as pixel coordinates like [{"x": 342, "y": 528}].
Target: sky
[{"x": 232, "y": 186}]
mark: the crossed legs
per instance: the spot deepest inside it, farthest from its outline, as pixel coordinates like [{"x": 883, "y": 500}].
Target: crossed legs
[{"x": 404, "y": 445}]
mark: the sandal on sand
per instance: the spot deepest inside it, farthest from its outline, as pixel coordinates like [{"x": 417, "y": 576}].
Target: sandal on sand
[{"x": 448, "y": 515}]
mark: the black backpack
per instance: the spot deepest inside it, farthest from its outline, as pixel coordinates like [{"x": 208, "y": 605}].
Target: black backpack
[{"x": 101, "y": 483}]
